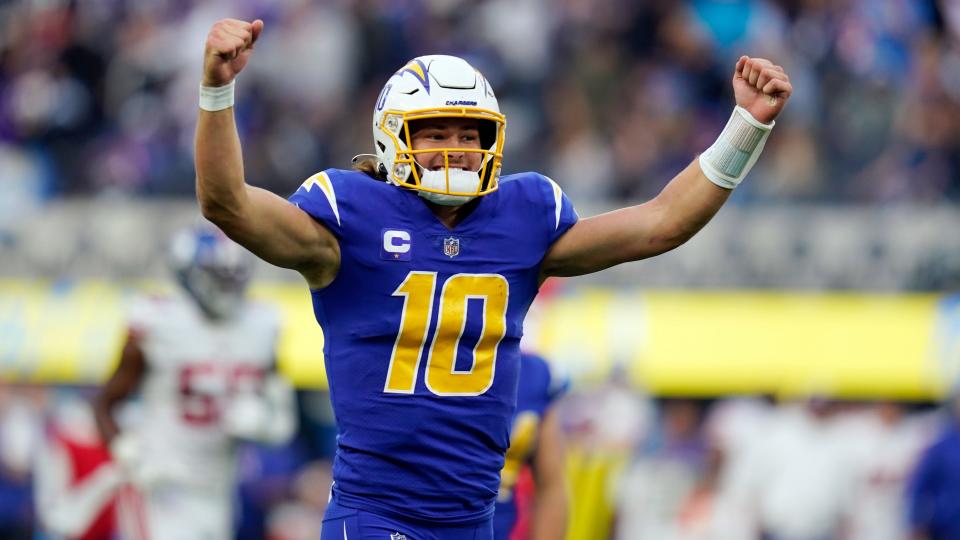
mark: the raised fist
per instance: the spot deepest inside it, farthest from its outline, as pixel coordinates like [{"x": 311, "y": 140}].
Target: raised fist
[
  {"x": 761, "y": 87},
  {"x": 229, "y": 46}
]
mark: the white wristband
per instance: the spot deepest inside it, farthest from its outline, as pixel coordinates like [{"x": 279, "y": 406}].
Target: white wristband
[
  {"x": 216, "y": 98},
  {"x": 732, "y": 155}
]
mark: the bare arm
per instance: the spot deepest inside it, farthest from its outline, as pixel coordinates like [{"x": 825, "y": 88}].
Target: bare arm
[
  {"x": 550, "y": 505},
  {"x": 124, "y": 381},
  {"x": 264, "y": 223},
  {"x": 684, "y": 206}
]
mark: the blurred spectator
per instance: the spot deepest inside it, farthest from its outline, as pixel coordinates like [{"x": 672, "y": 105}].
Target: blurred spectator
[
  {"x": 664, "y": 494},
  {"x": 602, "y": 426},
  {"x": 890, "y": 443},
  {"x": 76, "y": 481},
  {"x": 735, "y": 427},
  {"x": 799, "y": 477},
  {"x": 20, "y": 428},
  {"x": 265, "y": 479},
  {"x": 934, "y": 490},
  {"x": 300, "y": 517},
  {"x": 608, "y": 417}
]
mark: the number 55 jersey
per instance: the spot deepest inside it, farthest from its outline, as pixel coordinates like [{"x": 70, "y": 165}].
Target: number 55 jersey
[
  {"x": 195, "y": 369},
  {"x": 422, "y": 326}
]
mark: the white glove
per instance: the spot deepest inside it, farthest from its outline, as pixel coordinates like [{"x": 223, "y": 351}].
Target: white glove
[
  {"x": 126, "y": 450},
  {"x": 246, "y": 416},
  {"x": 268, "y": 417}
]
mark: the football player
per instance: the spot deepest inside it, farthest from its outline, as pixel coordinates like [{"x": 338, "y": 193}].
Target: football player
[
  {"x": 536, "y": 445},
  {"x": 423, "y": 263},
  {"x": 203, "y": 363},
  {"x": 75, "y": 480}
]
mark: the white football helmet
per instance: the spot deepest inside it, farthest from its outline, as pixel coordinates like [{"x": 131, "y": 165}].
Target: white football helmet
[
  {"x": 431, "y": 87},
  {"x": 212, "y": 268}
]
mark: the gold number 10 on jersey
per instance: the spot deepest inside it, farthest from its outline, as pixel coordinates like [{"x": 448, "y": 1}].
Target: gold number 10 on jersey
[{"x": 441, "y": 377}]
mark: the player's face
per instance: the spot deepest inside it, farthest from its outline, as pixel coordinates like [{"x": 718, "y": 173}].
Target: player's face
[{"x": 447, "y": 133}]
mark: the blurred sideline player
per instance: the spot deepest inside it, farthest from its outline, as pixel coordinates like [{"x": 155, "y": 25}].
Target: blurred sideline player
[
  {"x": 203, "y": 363},
  {"x": 933, "y": 490},
  {"x": 536, "y": 445},
  {"x": 20, "y": 430},
  {"x": 422, "y": 264},
  {"x": 75, "y": 480}
]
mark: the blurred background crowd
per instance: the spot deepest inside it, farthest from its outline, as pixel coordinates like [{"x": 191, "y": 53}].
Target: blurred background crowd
[
  {"x": 609, "y": 97},
  {"x": 856, "y": 190}
]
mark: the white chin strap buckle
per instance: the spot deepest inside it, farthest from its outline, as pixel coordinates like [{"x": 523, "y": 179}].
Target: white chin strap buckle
[{"x": 461, "y": 181}]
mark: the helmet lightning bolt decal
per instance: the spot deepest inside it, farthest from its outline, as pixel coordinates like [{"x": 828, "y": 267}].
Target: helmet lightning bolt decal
[{"x": 418, "y": 70}]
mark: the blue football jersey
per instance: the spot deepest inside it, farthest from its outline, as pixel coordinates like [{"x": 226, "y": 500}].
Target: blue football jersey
[
  {"x": 538, "y": 389},
  {"x": 422, "y": 326}
]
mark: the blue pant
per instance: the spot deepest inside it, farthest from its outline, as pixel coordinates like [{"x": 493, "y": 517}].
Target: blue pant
[{"x": 342, "y": 523}]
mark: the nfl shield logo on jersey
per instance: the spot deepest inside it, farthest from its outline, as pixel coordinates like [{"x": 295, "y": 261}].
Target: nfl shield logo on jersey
[
  {"x": 398, "y": 536},
  {"x": 451, "y": 246}
]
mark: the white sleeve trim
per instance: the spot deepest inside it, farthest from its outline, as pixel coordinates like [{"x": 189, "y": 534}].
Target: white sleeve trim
[
  {"x": 323, "y": 181},
  {"x": 557, "y": 201}
]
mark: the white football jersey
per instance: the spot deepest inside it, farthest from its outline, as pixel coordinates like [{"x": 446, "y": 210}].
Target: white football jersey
[{"x": 194, "y": 368}]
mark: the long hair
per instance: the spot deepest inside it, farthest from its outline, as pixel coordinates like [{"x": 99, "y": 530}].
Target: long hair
[{"x": 370, "y": 166}]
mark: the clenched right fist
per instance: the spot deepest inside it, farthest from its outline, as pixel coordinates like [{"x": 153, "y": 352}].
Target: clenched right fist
[{"x": 229, "y": 46}]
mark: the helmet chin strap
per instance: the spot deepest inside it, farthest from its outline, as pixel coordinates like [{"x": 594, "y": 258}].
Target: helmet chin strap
[{"x": 460, "y": 181}]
